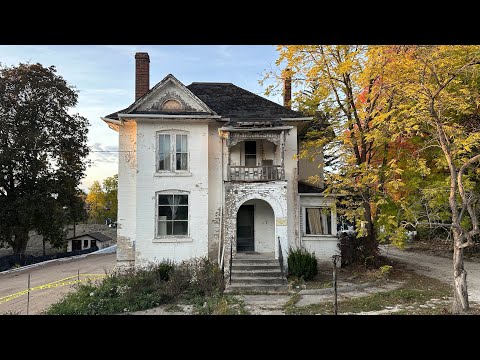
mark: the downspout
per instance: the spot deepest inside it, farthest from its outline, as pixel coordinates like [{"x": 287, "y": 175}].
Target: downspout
[{"x": 221, "y": 246}]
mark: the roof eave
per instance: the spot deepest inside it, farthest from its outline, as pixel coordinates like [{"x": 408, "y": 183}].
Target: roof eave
[
  {"x": 306, "y": 118},
  {"x": 113, "y": 124},
  {"x": 166, "y": 116}
]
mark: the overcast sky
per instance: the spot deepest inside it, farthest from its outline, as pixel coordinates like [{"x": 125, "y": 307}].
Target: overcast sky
[{"x": 104, "y": 75}]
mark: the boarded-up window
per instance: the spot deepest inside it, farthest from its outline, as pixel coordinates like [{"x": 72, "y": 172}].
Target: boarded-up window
[{"x": 318, "y": 221}]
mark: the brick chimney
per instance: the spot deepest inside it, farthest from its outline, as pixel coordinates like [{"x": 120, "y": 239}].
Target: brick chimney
[
  {"x": 287, "y": 89},
  {"x": 142, "y": 74}
]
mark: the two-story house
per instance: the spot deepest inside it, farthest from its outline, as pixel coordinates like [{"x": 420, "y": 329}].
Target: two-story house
[{"x": 209, "y": 169}]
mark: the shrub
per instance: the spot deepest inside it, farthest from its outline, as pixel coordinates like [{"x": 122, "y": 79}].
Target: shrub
[
  {"x": 164, "y": 269},
  {"x": 352, "y": 251},
  {"x": 302, "y": 263},
  {"x": 143, "y": 288}
]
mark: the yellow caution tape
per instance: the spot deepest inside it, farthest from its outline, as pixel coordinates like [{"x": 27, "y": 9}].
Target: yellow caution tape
[{"x": 53, "y": 284}]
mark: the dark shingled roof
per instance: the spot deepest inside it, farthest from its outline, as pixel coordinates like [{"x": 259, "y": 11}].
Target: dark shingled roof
[
  {"x": 304, "y": 188},
  {"x": 231, "y": 101},
  {"x": 96, "y": 235}
]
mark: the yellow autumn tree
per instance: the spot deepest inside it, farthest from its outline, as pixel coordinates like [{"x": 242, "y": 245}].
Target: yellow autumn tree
[
  {"x": 439, "y": 97},
  {"x": 346, "y": 84},
  {"x": 96, "y": 203}
]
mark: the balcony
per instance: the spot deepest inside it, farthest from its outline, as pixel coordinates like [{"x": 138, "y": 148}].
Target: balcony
[{"x": 256, "y": 173}]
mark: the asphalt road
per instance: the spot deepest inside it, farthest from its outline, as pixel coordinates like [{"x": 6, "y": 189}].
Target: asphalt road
[
  {"x": 49, "y": 282},
  {"x": 437, "y": 267}
]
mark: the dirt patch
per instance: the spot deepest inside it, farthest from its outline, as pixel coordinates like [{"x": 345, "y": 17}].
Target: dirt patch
[
  {"x": 442, "y": 248},
  {"x": 437, "y": 267},
  {"x": 409, "y": 290}
]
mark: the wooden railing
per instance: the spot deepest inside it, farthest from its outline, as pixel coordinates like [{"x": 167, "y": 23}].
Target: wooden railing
[{"x": 256, "y": 173}]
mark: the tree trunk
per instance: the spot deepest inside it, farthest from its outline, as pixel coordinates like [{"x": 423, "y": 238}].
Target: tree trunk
[
  {"x": 460, "y": 294},
  {"x": 21, "y": 241},
  {"x": 371, "y": 245}
]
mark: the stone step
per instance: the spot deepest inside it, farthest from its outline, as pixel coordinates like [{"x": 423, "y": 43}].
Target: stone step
[
  {"x": 245, "y": 288},
  {"x": 257, "y": 273},
  {"x": 256, "y": 280},
  {"x": 255, "y": 261},
  {"x": 272, "y": 267}
]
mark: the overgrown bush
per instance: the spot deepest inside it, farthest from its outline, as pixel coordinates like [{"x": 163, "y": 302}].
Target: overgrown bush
[
  {"x": 352, "y": 251},
  {"x": 302, "y": 263},
  {"x": 143, "y": 288}
]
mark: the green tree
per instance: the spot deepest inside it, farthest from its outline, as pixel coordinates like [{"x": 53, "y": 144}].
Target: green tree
[{"x": 42, "y": 153}]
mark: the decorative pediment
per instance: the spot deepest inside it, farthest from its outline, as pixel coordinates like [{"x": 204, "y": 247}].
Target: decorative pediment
[{"x": 170, "y": 95}]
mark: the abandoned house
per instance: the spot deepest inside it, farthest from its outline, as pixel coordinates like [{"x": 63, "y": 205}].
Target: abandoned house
[{"x": 209, "y": 169}]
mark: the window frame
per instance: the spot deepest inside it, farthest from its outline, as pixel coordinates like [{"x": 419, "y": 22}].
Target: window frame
[
  {"x": 172, "y": 238},
  {"x": 304, "y": 221},
  {"x": 173, "y": 153}
]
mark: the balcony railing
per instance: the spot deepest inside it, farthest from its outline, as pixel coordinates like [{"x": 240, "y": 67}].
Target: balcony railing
[{"x": 256, "y": 173}]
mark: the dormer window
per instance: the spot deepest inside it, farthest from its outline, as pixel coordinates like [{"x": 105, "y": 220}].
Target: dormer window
[{"x": 172, "y": 105}]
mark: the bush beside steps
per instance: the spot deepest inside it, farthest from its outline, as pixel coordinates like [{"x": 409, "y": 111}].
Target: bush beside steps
[{"x": 302, "y": 263}]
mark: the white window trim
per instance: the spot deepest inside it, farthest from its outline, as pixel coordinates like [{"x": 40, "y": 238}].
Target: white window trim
[
  {"x": 332, "y": 221},
  {"x": 173, "y": 163},
  {"x": 172, "y": 238}
]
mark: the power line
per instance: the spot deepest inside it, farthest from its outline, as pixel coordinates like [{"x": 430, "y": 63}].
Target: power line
[{"x": 92, "y": 151}]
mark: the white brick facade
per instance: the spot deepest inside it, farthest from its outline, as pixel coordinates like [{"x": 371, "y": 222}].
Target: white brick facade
[{"x": 213, "y": 200}]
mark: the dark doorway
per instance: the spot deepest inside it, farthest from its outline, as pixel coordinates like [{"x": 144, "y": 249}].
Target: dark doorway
[
  {"x": 245, "y": 230},
  {"x": 76, "y": 245},
  {"x": 250, "y": 153}
]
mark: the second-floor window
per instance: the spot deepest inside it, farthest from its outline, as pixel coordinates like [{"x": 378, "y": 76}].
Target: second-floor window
[{"x": 172, "y": 152}]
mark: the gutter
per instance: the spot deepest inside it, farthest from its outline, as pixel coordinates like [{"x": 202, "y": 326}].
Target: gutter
[
  {"x": 165, "y": 116},
  {"x": 298, "y": 119},
  {"x": 233, "y": 129}
]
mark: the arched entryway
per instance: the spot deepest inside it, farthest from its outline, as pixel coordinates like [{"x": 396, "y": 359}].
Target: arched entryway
[{"x": 256, "y": 227}]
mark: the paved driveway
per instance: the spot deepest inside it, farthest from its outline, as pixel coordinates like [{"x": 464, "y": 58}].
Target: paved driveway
[
  {"x": 437, "y": 267},
  {"x": 49, "y": 282}
]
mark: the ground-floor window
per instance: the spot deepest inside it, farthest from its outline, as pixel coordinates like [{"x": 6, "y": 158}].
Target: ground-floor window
[
  {"x": 172, "y": 214},
  {"x": 318, "y": 221}
]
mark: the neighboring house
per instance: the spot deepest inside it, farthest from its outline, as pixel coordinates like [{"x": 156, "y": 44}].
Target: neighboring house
[
  {"x": 89, "y": 240},
  {"x": 209, "y": 169}
]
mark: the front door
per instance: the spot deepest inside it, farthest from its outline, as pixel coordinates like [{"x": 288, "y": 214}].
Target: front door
[
  {"x": 76, "y": 245},
  {"x": 245, "y": 231}
]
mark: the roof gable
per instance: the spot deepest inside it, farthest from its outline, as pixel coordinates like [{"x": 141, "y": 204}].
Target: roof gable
[{"x": 169, "y": 96}]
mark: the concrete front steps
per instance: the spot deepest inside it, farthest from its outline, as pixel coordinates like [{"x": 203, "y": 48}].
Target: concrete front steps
[{"x": 256, "y": 273}]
